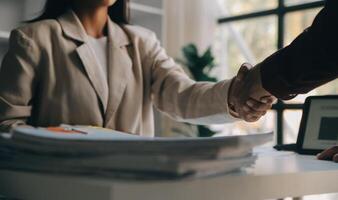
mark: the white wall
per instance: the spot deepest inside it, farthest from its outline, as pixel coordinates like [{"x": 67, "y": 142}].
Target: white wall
[
  {"x": 10, "y": 14},
  {"x": 13, "y": 13},
  {"x": 190, "y": 21},
  {"x": 32, "y": 8}
]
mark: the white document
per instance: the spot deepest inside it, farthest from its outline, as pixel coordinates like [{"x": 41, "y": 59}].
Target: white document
[
  {"x": 103, "y": 141},
  {"x": 104, "y": 152}
]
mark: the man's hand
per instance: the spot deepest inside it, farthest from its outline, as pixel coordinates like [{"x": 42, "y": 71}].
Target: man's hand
[
  {"x": 329, "y": 154},
  {"x": 247, "y": 98}
]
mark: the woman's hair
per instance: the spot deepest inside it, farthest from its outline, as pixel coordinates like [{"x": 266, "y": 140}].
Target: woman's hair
[{"x": 119, "y": 12}]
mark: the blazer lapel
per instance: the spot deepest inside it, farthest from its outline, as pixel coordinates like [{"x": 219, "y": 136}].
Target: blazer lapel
[
  {"x": 119, "y": 69},
  {"x": 72, "y": 26},
  {"x": 90, "y": 66},
  {"x": 73, "y": 29},
  {"x": 119, "y": 62}
]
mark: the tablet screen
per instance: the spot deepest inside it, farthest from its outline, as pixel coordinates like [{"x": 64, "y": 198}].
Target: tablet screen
[
  {"x": 321, "y": 130},
  {"x": 328, "y": 128}
]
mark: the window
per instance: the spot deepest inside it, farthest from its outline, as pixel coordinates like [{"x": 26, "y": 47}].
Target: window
[{"x": 249, "y": 31}]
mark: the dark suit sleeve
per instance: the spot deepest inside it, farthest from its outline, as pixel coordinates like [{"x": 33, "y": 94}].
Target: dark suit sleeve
[{"x": 311, "y": 60}]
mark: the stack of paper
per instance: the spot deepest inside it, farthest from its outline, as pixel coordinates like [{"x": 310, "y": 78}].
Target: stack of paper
[{"x": 104, "y": 152}]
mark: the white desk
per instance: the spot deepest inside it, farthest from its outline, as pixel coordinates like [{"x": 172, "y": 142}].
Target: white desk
[{"x": 275, "y": 175}]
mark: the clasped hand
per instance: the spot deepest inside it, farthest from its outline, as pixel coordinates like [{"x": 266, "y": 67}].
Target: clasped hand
[{"x": 248, "y": 100}]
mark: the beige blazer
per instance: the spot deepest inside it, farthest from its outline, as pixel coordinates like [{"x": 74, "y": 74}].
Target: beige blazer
[{"x": 49, "y": 77}]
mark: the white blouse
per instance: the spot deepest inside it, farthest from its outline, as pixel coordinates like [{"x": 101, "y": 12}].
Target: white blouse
[{"x": 99, "y": 47}]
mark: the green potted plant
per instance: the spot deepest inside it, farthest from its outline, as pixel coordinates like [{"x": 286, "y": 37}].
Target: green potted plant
[{"x": 200, "y": 67}]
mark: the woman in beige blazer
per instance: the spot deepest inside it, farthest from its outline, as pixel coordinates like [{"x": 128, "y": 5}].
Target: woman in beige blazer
[{"x": 51, "y": 74}]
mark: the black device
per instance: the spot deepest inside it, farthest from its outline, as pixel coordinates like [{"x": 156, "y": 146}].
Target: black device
[{"x": 318, "y": 128}]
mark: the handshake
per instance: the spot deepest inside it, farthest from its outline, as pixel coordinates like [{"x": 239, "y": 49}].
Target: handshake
[{"x": 248, "y": 100}]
